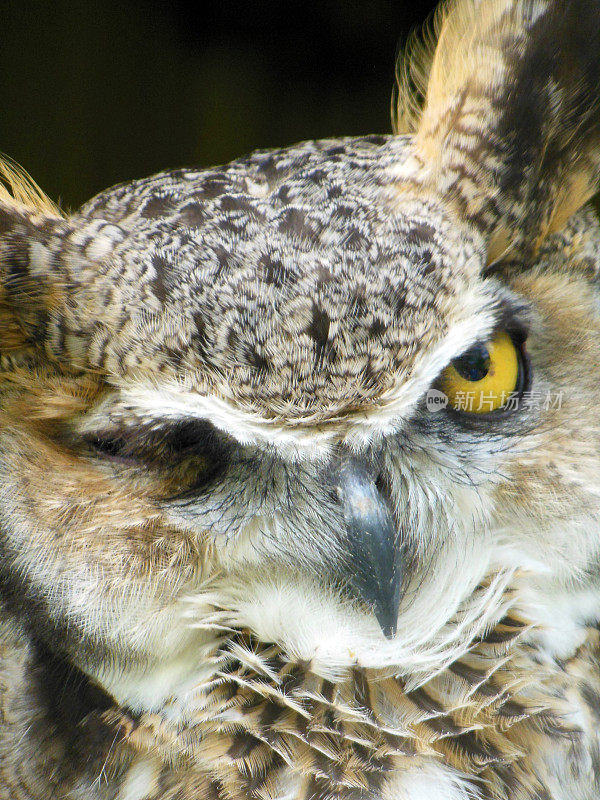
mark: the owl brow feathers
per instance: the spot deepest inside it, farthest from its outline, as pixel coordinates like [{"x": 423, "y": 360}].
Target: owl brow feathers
[{"x": 142, "y": 408}]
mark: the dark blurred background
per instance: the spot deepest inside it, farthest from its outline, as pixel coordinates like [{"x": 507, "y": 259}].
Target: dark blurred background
[{"x": 93, "y": 93}]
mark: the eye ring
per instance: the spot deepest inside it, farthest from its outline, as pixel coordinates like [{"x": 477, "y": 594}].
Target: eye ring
[{"x": 489, "y": 377}]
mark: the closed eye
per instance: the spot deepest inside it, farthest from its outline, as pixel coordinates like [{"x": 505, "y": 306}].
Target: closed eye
[{"x": 189, "y": 444}]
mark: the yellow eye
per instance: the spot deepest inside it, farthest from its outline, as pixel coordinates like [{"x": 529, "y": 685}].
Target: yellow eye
[{"x": 484, "y": 378}]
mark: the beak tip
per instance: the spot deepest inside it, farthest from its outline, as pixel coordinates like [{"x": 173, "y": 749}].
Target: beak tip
[
  {"x": 388, "y": 622},
  {"x": 389, "y": 631}
]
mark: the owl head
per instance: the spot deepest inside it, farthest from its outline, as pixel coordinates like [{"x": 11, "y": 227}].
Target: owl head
[{"x": 340, "y": 395}]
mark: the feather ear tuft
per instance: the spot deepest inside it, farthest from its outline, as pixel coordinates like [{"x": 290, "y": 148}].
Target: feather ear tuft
[
  {"x": 413, "y": 68},
  {"x": 19, "y": 190},
  {"x": 505, "y": 114},
  {"x": 29, "y": 287}
]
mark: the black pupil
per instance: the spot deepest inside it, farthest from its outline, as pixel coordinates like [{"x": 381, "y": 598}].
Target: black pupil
[{"x": 474, "y": 365}]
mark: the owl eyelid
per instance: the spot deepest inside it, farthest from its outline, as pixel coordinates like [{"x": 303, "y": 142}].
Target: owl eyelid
[{"x": 511, "y": 318}]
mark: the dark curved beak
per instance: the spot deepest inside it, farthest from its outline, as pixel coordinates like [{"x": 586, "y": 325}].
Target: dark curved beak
[{"x": 374, "y": 552}]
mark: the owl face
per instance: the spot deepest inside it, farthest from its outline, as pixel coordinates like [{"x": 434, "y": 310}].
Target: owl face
[{"x": 337, "y": 395}]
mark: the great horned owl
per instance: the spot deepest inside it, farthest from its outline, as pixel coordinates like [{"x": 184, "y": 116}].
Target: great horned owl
[{"x": 300, "y": 456}]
